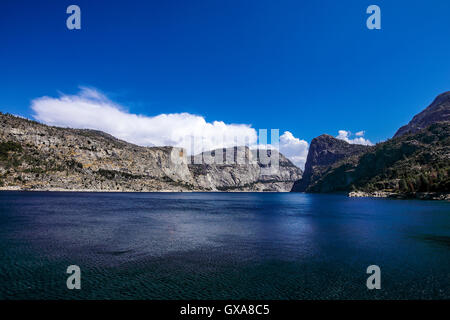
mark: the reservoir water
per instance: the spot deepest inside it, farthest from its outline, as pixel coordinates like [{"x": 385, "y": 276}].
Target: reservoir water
[{"x": 221, "y": 246}]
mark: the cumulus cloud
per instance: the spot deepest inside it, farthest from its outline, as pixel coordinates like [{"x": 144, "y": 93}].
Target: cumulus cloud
[
  {"x": 294, "y": 148},
  {"x": 345, "y": 135},
  {"x": 90, "y": 109}
]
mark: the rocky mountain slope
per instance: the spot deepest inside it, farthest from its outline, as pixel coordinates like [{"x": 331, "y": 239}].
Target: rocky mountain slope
[
  {"x": 324, "y": 151},
  {"x": 34, "y": 156},
  {"x": 438, "y": 111},
  {"x": 415, "y": 163}
]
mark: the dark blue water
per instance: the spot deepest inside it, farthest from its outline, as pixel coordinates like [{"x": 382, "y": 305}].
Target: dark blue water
[{"x": 221, "y": 246}]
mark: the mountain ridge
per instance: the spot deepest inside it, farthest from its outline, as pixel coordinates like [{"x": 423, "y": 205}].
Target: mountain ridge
[
  {"x": 34, "y": 156},
  {"x": 412, "y": 164},
  {"x": 437, "y": 111}
]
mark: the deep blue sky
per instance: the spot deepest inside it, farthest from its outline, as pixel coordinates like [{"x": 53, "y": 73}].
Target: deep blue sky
[{"x": 310, "y": 67}]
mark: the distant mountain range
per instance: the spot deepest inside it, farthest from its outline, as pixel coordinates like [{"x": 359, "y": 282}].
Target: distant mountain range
[
  {"x": 34, "y": 156},
  {"x": 414, "y": 163}
]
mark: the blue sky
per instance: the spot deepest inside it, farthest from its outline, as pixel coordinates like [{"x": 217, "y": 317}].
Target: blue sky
[{"x": 309, "y": 67}]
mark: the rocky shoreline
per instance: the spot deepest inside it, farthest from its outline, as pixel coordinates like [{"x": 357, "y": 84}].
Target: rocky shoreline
[
  {"x": 354, "y": 194},
  {"x": 22, "y": 189},
  {"x": 417, "y": 195}
]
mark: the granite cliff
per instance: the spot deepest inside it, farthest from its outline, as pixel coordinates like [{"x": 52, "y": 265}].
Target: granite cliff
[
  {"x": 247, "y": 173},
  {"x": 34, "y": 156}
]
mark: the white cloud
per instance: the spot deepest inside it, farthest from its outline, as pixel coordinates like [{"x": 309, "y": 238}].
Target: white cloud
[
  {"x": 90, "y": 109},
  {"x": 345, "y": 135},
  {"x": 294, "y": 149}
]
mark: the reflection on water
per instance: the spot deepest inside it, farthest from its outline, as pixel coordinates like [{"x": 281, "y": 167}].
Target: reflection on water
[{"x": 221, "y": 245}]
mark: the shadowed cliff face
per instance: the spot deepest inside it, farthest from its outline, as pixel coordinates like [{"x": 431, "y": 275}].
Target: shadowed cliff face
[
  {"x": 438, "y": 111},
  {"x": 324, "y": 151},
  {"x": 34, "y": 156}
]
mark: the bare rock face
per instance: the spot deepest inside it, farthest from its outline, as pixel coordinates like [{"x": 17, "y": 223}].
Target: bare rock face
[
  {"x": 324, "y": 151},
  {"x": 438, "y": 111},
  {"x": 34, "y": 156},
  {"x": 242, "y": 169},
  {"x": 69, "y": 159}
]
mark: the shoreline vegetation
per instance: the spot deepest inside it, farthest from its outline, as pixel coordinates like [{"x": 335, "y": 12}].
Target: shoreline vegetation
[{"x": 393, "y": 195}]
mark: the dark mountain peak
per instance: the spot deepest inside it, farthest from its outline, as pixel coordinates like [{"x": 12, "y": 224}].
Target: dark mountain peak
[
  {"x": 437, "y": 111},
  {"x": 443, "y": 97},
  {"x": 324, "y": 137},
  {"x": 324, "y": 151}
]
